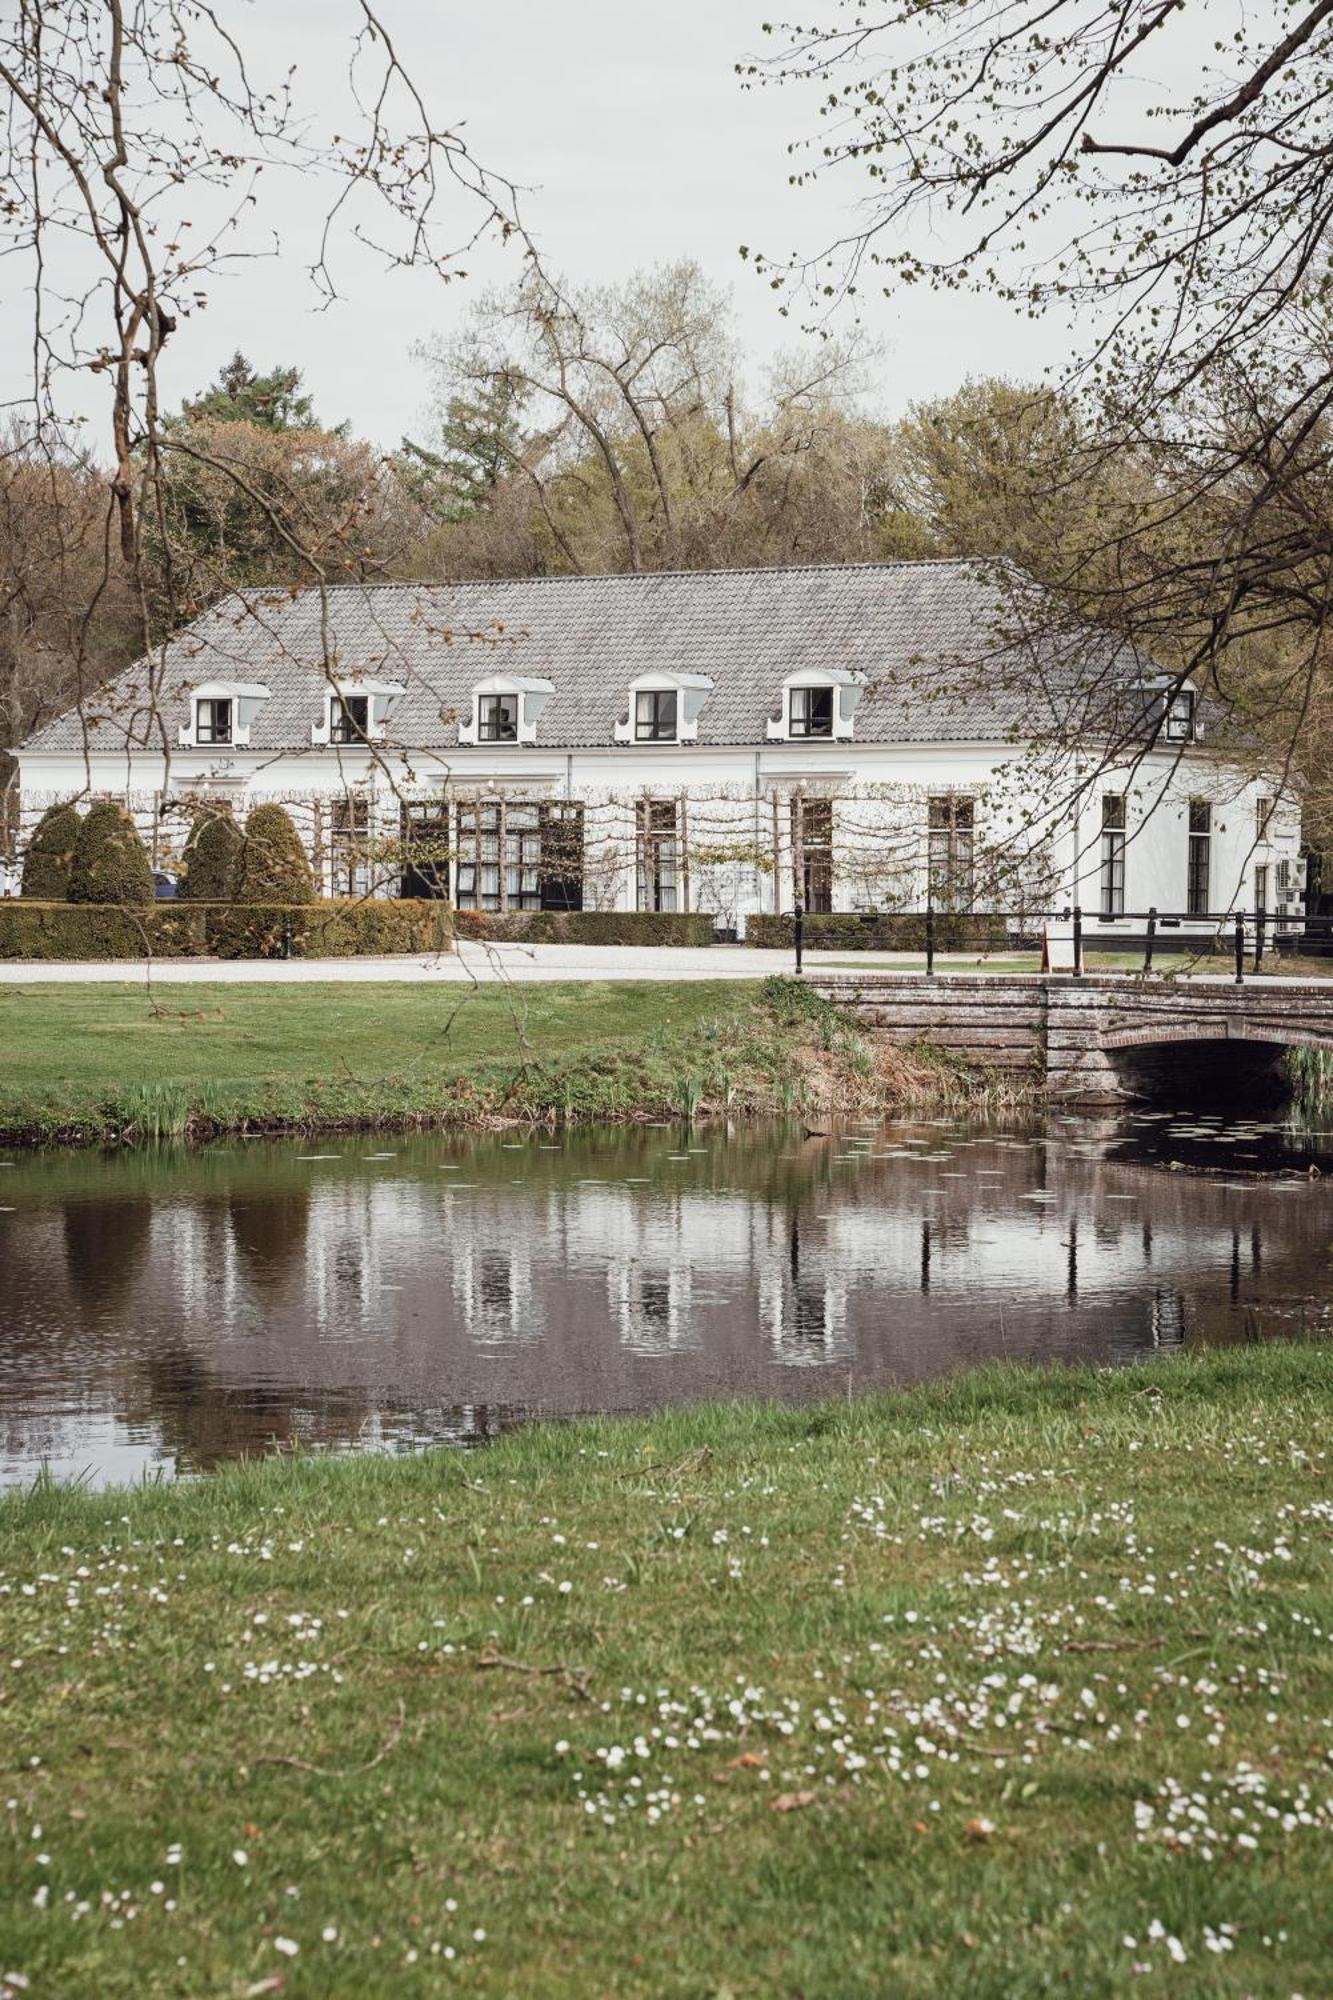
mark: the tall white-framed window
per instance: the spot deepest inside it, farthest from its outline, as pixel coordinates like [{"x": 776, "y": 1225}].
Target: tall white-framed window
[
  {"x": 349, "y": 846},
  {"x": 1113, "y": 854},
  {"x": 1199, "y": 861},
  {"x": 659, "y": 857},
  {"x": 951, "y": 850}
]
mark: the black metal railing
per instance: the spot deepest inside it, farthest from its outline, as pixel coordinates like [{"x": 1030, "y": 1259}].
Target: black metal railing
[{"x": 1243, "y": 934}]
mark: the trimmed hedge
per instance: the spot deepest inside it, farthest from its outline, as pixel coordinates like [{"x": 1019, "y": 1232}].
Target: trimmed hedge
[
  {"x": 640, "y": 927},
  {"x": 880, "y": 930},
  {"x": 50, "y": 931},
  {"x": 329, "y": 929},
  {"x": 46, "y": 932}
]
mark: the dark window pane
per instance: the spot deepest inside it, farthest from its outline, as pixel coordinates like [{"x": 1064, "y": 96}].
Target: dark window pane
[
  {"x": 655, "y": 716},
  {"x": 350, "y": 718},
  {"x": 497, "y": 718}
]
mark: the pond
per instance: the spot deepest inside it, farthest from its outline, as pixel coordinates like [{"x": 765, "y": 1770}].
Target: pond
[{"x": 163, "y": 1312}]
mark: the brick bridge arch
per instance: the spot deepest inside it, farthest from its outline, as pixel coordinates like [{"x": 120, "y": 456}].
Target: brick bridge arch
[{"x": 1078, "y": 1036}]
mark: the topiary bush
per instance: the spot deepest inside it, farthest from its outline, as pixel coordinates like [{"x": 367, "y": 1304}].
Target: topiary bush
[
  {"x": 50, "y": 855},
  {"x": 271, "y": 865},
  {"x": 211, "y": 855},
  {"x": 111, "y": 863}
]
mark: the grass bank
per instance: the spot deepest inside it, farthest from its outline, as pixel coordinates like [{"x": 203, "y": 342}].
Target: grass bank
[
  {"x": 103, "y": 1064},
  {"x": 1018, "y": 1683}
]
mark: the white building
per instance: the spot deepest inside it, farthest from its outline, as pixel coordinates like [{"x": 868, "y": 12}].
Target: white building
[{"x": 723, "y": 741}]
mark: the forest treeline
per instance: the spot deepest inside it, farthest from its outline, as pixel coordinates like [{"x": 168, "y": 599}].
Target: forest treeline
[{"x": 581, "y": 431}]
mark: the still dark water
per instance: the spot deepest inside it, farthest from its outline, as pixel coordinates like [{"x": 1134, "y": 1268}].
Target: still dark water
[{"x": 160, "y": 1313}]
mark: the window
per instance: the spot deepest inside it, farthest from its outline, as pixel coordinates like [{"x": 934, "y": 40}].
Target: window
[
  {"x": 425, "y": 841},
  {"x": 499, "y": 857},
  {"x": 349, "y": 718},
  {"x": 812, "y": 853},
  {"x": 212, "y": 720},
  {"x": 1261, "y": 891},
  {"x": 655, "y": 715},
  {"x": 497, "y": 718},
  {"x": 951, "y": 852},
  {"x": 1201, "y": 835},
  {"x": 349, "y": 848},
  {"x": 560, "y": 837},
  {"x": 1263, "y": 813},
  {"x": 659, "y": 854},
  {"x": 1113, "y": 854},
  {"x": 812, "y": 711},
  {"x": 1180, "y": 716}
]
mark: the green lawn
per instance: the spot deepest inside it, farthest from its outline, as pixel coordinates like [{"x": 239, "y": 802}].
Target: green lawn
[
  {"x": 100, "y": 1061},
  {"x": 1018, "y": 1684}
]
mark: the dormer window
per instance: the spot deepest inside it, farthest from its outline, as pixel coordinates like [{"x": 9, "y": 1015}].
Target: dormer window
[
  {"x": 817, "y": 703},
  {"x": 212, "y": 720},
  {"x": 355, "y": 713},
  {"x": 497, "y": 718},
  {"x": 1180, "y": 716},
  {"x": 655, "y": 715},
  {"x": 221, "y": 713},
  {"x": 664, "y": 708},
  {"x": 349, "y": 718},
  {"x": 811, "y": 711},
  {"x": 506, "y": 709}
]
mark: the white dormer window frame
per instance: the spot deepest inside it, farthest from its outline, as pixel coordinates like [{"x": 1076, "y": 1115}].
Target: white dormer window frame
[
  {"x": 342, "y": 727},
  {"x": 844, "y": 689},
  {"x": 655, "y": 697},
  {"x": 505, "y": 710},
  {"x": 221, "y": 713},
  {"x": 1181, "y": 724}
]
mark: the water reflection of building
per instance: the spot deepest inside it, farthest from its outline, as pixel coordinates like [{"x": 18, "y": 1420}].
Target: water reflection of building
[{"x": 330, "y": 1302}]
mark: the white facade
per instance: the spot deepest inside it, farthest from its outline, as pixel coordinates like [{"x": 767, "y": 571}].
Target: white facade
[
  {"x": 846, "y": 737},
  {"x": 733, "y": 832}
]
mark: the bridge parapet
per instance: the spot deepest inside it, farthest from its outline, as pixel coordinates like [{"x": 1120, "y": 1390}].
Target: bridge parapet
[{"x": 1065, "y": 1032}]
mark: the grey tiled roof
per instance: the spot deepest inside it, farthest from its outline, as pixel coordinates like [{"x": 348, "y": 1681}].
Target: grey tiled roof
[{"x": 935, "y": 641}]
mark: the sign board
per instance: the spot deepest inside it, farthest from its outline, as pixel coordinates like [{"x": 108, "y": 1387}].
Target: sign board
[{"x": 1057, "y": 949}]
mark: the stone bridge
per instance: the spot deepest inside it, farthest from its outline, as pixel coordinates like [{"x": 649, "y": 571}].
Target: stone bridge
[{"x": 1101, "y": 1038}]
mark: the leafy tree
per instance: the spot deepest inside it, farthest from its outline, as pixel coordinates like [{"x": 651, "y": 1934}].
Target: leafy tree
[
  {"x": 50, "y": 855},
  {"x": 1100, "y": 157},
  {"x": 111, "y": 863},
  {"x": 211, "y": 855},
  {"x": 271, "y": 866},
  {"x": 274, "y": 402},
  {"x": 604, "y": 429}
]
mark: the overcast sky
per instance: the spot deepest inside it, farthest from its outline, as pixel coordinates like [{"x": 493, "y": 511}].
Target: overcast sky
[{"x": 633, "y": 134}]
